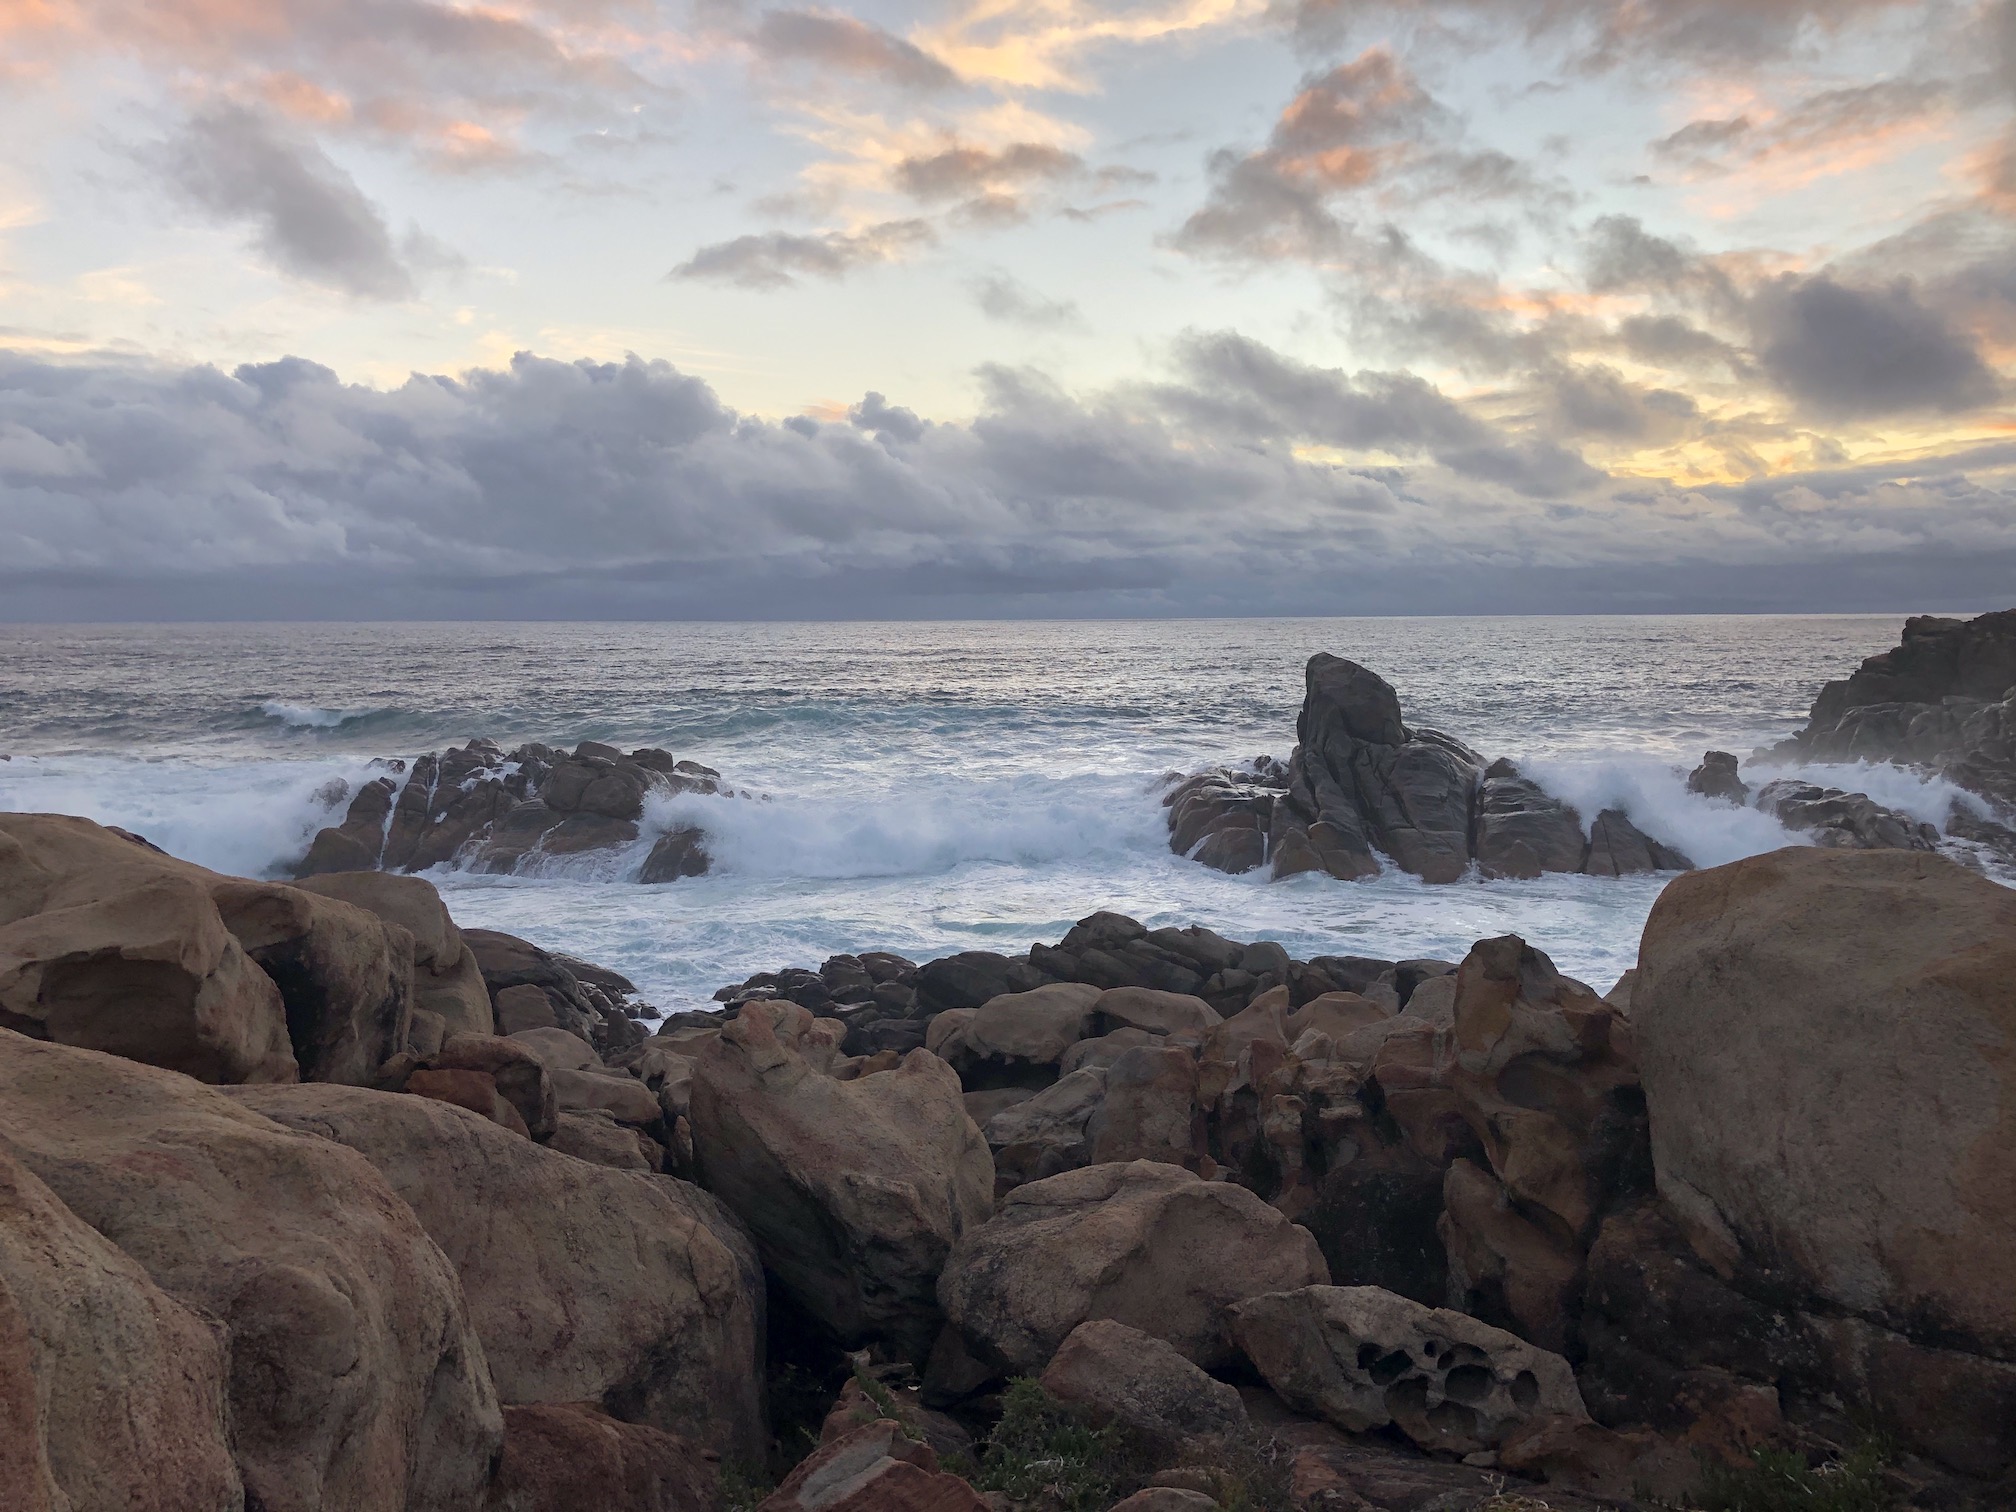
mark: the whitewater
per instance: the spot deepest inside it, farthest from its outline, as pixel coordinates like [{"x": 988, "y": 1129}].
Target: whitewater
[{"x": 926, "y": 787}]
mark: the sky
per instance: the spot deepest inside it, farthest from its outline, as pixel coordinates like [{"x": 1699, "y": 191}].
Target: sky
[{"x": 996, "y": 308}]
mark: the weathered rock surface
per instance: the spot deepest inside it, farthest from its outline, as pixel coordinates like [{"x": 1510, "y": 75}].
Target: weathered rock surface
[
  {"x": 1522, "y": 830},
  {"x": 1122, "y": 1375},
  {"x": 1823, "y": 1036},
  {"x": 356, "y": 1376},
  {"x": 1037, "y": 1026},
  {"x": 109, "y": 945},
  {"x": 573, "y": 1457},
  {"x": 584, "y": 1283},
  {"x": 581, "y": 999},
  {"x": 112, "y": 1394},
  {"x": 1718, "y": 777},
  {"x": 1148, "y": 1245},
  {"x": 856, "y": 1190},
  {"x": 486, "y": 810},
  {"x": 1364, "y": 1358}
]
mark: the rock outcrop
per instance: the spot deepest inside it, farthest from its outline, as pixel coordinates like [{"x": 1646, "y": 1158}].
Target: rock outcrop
[
  {"x": 1122, "y": 1375},
  {"x": 356, "y": 1378},
  {"x": 855, "y": 1190},
  {"x": 1363, "y": 788},
  {"x": 1148, "y": 1245},
  {"x": 570, "y": 1457},
  {"x": 1824, "y": 1040},
  {"x": 584, "y": 1283},
  {"x": 1944, "y": 697},
  {"x": 487, "y": 810}
]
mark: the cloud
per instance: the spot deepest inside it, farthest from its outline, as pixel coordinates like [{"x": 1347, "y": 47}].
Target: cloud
[
  {"x": 1362, "y": 130},
  {"x": 307, "y": 214},
  {"x": 1860, "y": 353},
  {"x": 1003, "y": 298},
  {"x": 777, "y": 259},
  {"x": 1832, "y": 131},
  {"x": 454, "y": 82},
  {"x": 849, "y": 45},
  {"x": 1599, "y": 34},
  {"x": 587, "y": 489},
  {"x": 963, "y": 170}
]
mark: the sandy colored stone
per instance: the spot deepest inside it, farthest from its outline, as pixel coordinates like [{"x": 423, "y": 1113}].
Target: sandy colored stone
[
  {"x": 112, "y": 1394},
  {"x": 1149, "y": 1245},
  {"x": 876, "y": 1468},
  {"x": 1149, "y": 1111},
  {"x": 1826, "y": 1043},
  {"x": 357, "y": 1379},
  {"x": 1038, "y": 1025},
  {"x": 108, "y": 945},
  {"x": 855, "y": 1191},
  {"x": 586, "y": 1284},
  {"x": 1157, "y": 1012},
  {"x": 446, "y": 977}
]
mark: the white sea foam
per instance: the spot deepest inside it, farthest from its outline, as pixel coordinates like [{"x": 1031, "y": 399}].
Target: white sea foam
[{"x": 309, "y": 716}]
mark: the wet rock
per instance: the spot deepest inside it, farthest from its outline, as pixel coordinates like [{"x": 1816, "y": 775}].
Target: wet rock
[
  {"x": 1843, "y": 821},
  {"x": 1618, "y": 848},
  {"x": 1363, "y": 1358},
  {"x": 1149, "y": 1245},
  {"x": 488, "y": 810},
  {"x": 1521, "y": 830},
  {"x": 1718, "y": 777}
]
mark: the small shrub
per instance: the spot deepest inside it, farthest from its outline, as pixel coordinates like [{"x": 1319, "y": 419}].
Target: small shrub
[
  {"x": 740, "y": 1489},
  {"x": 1046, "y": 1453}
]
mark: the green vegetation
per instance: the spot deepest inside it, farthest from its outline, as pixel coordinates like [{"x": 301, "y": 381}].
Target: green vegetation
[
  {"x": 740, "y": 1490},
  {"x": 1046, "y": 1454},
  {"x": 1781, "y": 1481}
]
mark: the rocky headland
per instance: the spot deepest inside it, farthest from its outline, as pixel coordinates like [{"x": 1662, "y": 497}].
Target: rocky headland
[
  {"x": 1362, "y": 789},
  {"x": 310, "y": 1199}
]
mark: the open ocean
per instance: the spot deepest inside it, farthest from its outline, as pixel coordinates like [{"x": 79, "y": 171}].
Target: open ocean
[{"x": 931, "y": 787}]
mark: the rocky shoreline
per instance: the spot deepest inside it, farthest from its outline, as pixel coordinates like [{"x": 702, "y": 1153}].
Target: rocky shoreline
[{"x": 310, "y": 1199}]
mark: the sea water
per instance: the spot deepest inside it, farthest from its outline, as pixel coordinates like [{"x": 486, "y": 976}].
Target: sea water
[{"x": 928, "y": 787}]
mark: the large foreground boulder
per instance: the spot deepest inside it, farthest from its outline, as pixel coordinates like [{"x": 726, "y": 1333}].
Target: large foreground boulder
[
  {"x": 107, "y": 944},
  {"x": 111, "y": 1392},
  {"x": 1149, "y": 1245},
  {"x": 1364, "y": 1358},
  {"x": 585, "y": 1283},
  {"x": 855, "y": 1191},
  {"x": 1825, "y": 1041},
  {"x": 356, "y": 1378}
]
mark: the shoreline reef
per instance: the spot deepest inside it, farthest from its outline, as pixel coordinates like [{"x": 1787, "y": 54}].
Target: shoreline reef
[{"x": 312, "y": 1199}]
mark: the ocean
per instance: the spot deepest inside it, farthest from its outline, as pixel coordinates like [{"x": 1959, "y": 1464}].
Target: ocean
[{"x": 926, "y": 787}]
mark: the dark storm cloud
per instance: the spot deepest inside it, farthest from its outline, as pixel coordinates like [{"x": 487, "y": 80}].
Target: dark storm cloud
[
  {"x": 552, "y": 488},
  {"x": 1858, "y": 353},
  {"x": 775, "y": 259},
  {"x": 849, "y": 45},
  {"x": 306, "y": 214}
]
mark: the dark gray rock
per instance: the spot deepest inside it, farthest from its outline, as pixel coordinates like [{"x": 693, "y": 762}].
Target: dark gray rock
[
  {"x": 1521, "y": 829},
  {"x": 1843, "y": 821},
  {"x": 1717, "y": 777}
]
